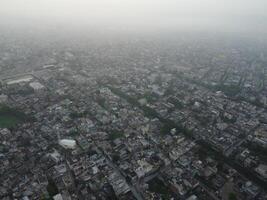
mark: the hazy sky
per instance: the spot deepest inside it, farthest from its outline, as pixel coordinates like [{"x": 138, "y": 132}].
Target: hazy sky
[{"x": 233, "y": 15}]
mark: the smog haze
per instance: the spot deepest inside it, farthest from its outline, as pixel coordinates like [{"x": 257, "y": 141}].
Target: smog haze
[{"x": 237, "y": 16}]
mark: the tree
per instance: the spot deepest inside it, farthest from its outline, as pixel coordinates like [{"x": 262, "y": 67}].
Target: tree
[
  {"x": 232, "y": 196},
  {"x": 52, "y": 187}
]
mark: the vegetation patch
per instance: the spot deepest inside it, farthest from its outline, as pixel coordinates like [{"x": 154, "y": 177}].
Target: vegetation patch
[
  {"x": 158, "y": 187},
  {"x": 229, "y": 90},
  {"x": 10, "y": 117},
  {"x": 75, "y": 115},
  {"x": 114, "y": 135}
]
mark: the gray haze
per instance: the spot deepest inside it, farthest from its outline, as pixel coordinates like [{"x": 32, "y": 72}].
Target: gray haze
[{"x": 142, "y": 15}]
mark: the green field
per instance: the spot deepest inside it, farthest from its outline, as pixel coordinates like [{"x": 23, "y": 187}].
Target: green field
[
  {"x": 9, "y": 117},
  {"x": 7, "y": 121}
]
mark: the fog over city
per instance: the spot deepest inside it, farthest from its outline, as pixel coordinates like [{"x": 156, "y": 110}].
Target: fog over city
[
  {"x": 139, "y": 15},
  {"x": 133, "y": 99}
]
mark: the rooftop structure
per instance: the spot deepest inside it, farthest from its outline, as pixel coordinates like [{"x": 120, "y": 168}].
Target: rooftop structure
[
  {"x": 36, "y": 86},
  {"x": 19, "y": 80},
  {"x": 67, "y": 144}
]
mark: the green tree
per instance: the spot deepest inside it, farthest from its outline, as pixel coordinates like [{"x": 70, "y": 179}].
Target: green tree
[
  {"x": 232, "y": 196},
  {"x": 52, "y": 187}
]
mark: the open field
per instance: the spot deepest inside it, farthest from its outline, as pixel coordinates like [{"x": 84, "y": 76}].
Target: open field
[{"x": 10, "y": 117}]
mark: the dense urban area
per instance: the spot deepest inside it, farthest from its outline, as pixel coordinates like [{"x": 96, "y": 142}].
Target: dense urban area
[{"x": 182, "y": 117}]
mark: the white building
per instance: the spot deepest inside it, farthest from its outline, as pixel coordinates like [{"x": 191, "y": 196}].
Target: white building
[
  {"x": 67, "y": 143},
  {"x": 58, "y": 197},
  {"x": 36, "y": 86}
]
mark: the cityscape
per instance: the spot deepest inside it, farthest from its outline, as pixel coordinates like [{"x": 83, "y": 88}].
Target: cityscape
[
  {"x": 115, "y": 100},
  {"x": 153, "y": 128}
]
